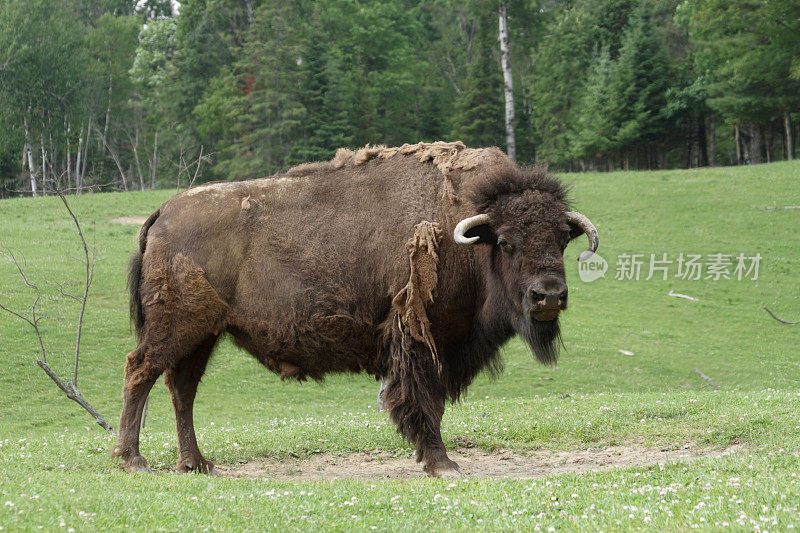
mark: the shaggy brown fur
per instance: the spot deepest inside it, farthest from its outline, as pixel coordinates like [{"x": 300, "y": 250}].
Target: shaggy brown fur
[
  {"x": 411, "y": 302},
  {"x": 347, "y": 266}
]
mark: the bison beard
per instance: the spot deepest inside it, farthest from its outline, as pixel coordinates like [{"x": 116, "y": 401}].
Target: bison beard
[
  {"x": 544, "y": 338},
  {"x": 350, "y": 266}
]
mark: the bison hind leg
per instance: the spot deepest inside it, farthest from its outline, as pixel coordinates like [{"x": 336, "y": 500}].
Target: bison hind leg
[
  {"x": 182, "y": 314},
  {"x": 182, "y": 381},
  {"x": 139, "y": 379}
]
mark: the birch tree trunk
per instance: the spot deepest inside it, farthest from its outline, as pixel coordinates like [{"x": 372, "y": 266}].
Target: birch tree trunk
[
  {"x": 508, "y": 82},
  {"x": 135, "y": 144},
  {"x": 117, "y": 161},
  {"x": 108, "y": 108},
  {"x": 154, "y": 164},
  {"x": 69, "y": 168},
  {"x": 54, "y": 174},
  {"x": 78, "y": 158},
  {"x": 86, "y": 149},
  {"x": 787, "y": 126},
  {"x": 738, "y": 142},
  {"x": 44, "y": 163},
  {"x": 29, "y": 152},
  {"x": 768, "y": 138}
]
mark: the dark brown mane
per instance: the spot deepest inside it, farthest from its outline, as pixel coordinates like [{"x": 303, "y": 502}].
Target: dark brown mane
[{"x": 512, "y": 181}]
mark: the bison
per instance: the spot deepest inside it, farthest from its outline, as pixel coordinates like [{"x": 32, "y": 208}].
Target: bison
[{"x": 413, "y": 264}]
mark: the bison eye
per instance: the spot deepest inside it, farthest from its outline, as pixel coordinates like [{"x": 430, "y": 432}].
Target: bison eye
[{"x": 505, "y": 245}]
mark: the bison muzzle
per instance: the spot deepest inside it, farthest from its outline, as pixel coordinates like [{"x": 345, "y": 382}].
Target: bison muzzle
[{"x": 413, "y": 264}]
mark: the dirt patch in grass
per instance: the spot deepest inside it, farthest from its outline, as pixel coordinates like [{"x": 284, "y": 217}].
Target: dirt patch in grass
[
  {"x": 138, "y": 221},
  {"x": 474, "y": 463}
]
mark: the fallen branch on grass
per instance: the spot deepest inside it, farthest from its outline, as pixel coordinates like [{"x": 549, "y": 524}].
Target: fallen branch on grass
[
  {"x": 707, "y": 379},
  {"x": 75, "y": 395},
  {"x": 779, "y": 207},
  {"x": 779, "y": 319},
  {"x": 679, "y": 295}
]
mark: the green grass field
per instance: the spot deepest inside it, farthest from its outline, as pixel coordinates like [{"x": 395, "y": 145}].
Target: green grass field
[{"x": 55, "y": 471}]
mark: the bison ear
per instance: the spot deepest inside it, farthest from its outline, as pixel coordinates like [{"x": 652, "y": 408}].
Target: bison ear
[
  {"x": 483, "y": 232},
  {"x": 575, "y": 231}
]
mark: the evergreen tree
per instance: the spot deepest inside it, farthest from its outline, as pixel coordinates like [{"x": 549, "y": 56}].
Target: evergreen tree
[
  {"x": 266, "y": 111},
  {"x": 478, "y": 117},
  {"x": 325, "y": 126},
  {"x": 563, "y": 60},
  {"x": 639, "y": 83},
  {"x": 743, "y": 50},
  {"x": 595, "y": 131}
]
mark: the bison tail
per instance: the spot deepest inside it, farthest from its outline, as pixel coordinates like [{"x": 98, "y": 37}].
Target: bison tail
[{"x": 135, "y": 275}]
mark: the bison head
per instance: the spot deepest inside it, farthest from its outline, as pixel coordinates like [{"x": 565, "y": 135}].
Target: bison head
[{"x": 524, "y": 224}]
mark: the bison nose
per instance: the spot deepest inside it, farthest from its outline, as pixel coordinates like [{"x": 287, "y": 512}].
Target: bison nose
[{"x": 549, "y": 293}]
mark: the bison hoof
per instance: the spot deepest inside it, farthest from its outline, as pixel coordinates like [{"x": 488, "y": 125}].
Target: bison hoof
[
  {"x": 200, "y": 466},
  {"x": 451, "y": 473},
  {"x": 444, "y": 471},
  {"x": 136, "y": 464},
  {"x": 140, "y": 469}
]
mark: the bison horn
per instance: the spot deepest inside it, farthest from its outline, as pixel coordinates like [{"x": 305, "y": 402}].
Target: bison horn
[
  {"x": 573, "y": 217},
  {"x": 459, "y": 234}
]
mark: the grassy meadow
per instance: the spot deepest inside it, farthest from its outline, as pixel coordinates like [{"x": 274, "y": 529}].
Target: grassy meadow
[{"x": 55, "y": 471}]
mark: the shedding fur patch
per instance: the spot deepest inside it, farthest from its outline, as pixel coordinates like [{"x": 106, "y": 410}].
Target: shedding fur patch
[
  {"x": 445, "y": 156},
  {"x": 411, "y": 302}
]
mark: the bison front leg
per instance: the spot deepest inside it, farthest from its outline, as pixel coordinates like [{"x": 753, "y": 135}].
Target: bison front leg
[{"x": 414, "y": 396}]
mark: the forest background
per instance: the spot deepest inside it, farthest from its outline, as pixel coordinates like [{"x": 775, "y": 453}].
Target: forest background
[{"x": 126, "y": 94}]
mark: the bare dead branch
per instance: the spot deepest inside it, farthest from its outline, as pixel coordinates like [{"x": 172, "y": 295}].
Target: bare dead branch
[
  {"x": 18, "y": 315},
  {"x": 74, "y": 394},
  {"x": 197, "y": 169},
  {"x": 31, "y": 319},
  {"x": 782, "y": 321},
  {"x": 87, "y": 284},
  {"x": 706, "y": 378},
  {"x": 63, "y": 291}
]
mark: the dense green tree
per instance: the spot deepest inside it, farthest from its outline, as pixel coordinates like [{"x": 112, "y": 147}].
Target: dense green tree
[
  {"x": 596, "y": 132},
  {"x": 558, "y": 76},
  {"x": 266, "y": 107},
  {"x": 325, "y": 126},
  {"x": 43, "y": 80},
  {"x": 640, "y": 80},
  {"x": 209, "y": 34},
  {"x": 478, "y": 117},
  {"x": 741, "y": 50}
]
